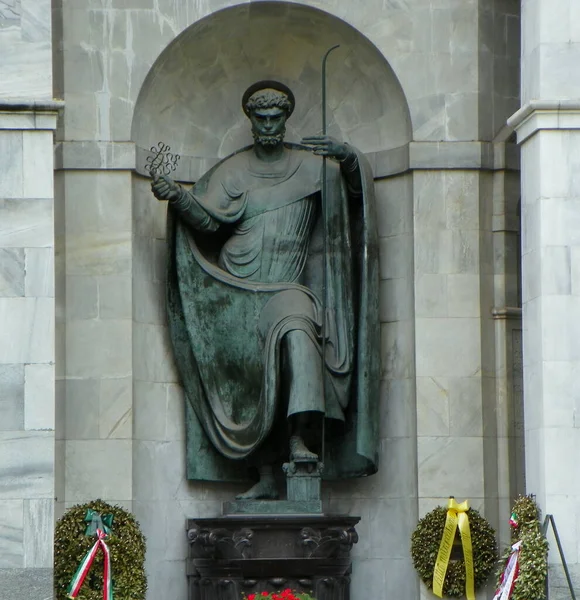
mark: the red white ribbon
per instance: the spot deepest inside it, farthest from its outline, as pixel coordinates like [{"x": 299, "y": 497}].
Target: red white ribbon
[
  {"x": 79, "y": 577},
  {"x": 510, "y": 574}
]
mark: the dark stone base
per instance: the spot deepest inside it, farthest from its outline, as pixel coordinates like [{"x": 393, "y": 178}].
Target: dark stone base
[
  {"x": 272, "y": 507},
  {"x": 242, "y": 554}
]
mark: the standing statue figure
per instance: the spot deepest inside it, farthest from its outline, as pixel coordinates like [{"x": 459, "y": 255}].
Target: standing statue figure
[{"x": 244, "y": 302}]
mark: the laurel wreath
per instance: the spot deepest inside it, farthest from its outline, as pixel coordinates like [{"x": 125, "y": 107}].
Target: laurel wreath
[
  {"x": 533, "y": 559},
  {"x": 425, "y": 542}
]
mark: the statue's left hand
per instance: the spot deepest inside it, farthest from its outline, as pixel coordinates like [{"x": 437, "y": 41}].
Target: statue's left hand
[{"x": 324, "y": 145}]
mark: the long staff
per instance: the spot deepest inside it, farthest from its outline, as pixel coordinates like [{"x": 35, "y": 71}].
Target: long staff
[{"x": 325, "y": 245}]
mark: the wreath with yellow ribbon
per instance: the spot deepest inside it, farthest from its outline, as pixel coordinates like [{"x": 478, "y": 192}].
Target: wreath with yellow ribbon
[{"x": 434, "y": 539}]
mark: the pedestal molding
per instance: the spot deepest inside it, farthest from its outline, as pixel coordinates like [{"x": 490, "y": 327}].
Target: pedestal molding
[
  {"x": 539, "y": 115},
  {"x": 23, "y": 114}
]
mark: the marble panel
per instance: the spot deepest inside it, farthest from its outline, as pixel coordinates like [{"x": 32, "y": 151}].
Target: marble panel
[
  {"x": 397, "y": 409},
  {"x": 39, "y": 396},
  {"x": 560, "y": 328},
  {"x": 82, "y": 409},
  {"x": 35, "y": 20},
  {"x": 452, "y": 464},
  {"x": 11, "y": 397},
  {"x": 397, "y": 350},
  {"x": 98, "y": 201},
  {"x": 559, "y": 221},
  {"x": 463, "y": 295},
  {"x": 115, "y": 297},
  {"x": 37, "y": 164},
  {"x": 558, "y": 64},
  {"x": 456, "y": 72},
  {"x": 448, "y": 347},
  {"x": 82, "y": 297},
  {"x": 11, "y": 540},
  {"x": 429, "y": 200},
  {"x": 398, "y": 469},
  {"x": 394, "y": 205},
  {"x": 149, "y": 303},
  {"x": 465, "y": 406},
  {"x": 150, "y": 407},
  {"x": 12, "y": 272},
  {"x": 433, "y": 417},
  {"x": 149, "y": 215},
  {"x": 25, "y": 71},
  {"x": 462, "y": 116},
  {"x": 99, "y": 253},
  {"x": 395, "y": 256},
  {"x": 431, "y": 296},
  {"x": 461, "y": 193},
  {"x": 369, "y": 574},
  {"x": 38, "y": 528},
  {"x": 166, "y": 577},
  {"x": 40, "y": 274},
  {"x": 159, "y": 469},
  {"x": 560, "y": 442},
  {"x": 99, "y": 349},
  {"x": 392, "y": 519},
  {"x": 564, "y": 507},
  {"x": 459, "y": 251},
  {"x": 575, "y": 270},
  {"x": 26, "y": 223},
  {"x": 28, "y": 324},
  {"x": 11, "y": 150},
  {"x": 80, "y": 116},
  {"x": 175, "y": 424},
  {"x": 85, "y": 477},
  {"x": 85, "y": 155},
  {"x": 26, "y": 465},
  {"x": 26, "y": 583},
  {"x": 555, "y": 270},
  {"x": 116, "y": 411},
  {"x": 396, "y": 300},
  {"x": 153, "y": 354}
]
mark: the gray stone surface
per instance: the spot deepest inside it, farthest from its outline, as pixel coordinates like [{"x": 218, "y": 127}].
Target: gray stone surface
[{"x": 26, "y": 583}]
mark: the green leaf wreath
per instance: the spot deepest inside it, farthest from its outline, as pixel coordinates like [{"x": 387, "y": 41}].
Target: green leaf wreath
[
  {"x": 533, "y": 559},
  {"x": 425, "y": 543},
  {"x": 127, "y": 548}
]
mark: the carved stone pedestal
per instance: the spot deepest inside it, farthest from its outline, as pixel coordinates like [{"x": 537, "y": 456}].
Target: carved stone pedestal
[{"x": 234, "y": 555}]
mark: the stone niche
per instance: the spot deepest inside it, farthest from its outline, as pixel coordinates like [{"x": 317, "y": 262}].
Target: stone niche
[
  {"x": 191, "y": 100},
  {"x": 191, "y": 96}
]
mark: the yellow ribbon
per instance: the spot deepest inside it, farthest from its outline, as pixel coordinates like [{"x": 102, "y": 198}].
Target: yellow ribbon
[{"x": 456, "y": 516}]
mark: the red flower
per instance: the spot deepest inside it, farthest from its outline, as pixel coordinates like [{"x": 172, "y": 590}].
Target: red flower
[
  {"x": 265, "y": 594},
  {"x": 251, "y": 596}
]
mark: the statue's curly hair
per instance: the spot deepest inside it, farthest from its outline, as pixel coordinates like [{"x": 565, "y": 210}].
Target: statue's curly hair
[{"x": 268, "y": 98}]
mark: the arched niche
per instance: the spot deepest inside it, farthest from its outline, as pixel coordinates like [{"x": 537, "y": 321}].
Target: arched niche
[{"x": 191, "y": 97}]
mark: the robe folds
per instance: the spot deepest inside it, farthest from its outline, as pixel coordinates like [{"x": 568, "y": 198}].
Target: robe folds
[{"x": 245, "y": 270}]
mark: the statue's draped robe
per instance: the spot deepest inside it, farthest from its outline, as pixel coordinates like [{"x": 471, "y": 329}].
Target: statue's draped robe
[{"x": 246, "y": 272}]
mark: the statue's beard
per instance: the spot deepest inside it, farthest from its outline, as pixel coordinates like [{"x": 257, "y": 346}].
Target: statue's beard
[{"x": 273, "y": 139}]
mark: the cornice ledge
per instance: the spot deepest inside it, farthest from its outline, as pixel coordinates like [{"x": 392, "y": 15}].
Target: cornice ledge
[
  {"x": 30, "y": 105},
  {"x": 537, "y": 115}
]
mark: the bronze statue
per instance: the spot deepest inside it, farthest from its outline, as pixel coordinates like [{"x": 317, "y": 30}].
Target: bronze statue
[{"x": 245, "y": 301}]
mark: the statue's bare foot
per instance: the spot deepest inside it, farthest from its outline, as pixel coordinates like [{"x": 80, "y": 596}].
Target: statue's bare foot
[
  {"x": 299, "y": 451},
  {"x": 265, "y": 489}
]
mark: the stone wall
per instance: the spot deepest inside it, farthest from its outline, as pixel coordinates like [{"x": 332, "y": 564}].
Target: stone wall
[
  {"x": 548, "y": 127},
  {"x": 27, "y": 305},
  {"x": 420, "y": 89}
]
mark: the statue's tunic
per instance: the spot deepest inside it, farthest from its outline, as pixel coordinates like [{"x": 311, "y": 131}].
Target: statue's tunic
[{"x": 266, "y": 278}]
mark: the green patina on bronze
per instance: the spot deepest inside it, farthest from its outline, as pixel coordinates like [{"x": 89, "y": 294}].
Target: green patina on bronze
[{"x": 244, "y": 302}]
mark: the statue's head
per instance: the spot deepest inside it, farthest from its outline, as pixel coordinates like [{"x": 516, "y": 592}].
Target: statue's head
[{"x": 268, "y": 104}]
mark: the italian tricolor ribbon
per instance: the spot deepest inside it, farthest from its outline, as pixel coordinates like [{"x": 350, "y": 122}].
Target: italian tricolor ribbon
[
  {"x": 510, "y": 574},
  {"x": 456, "y": 517},
  {"x": 101, "y": 528}
]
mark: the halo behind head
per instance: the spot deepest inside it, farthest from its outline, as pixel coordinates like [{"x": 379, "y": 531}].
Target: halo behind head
[{"x": 264, "y": 85}]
